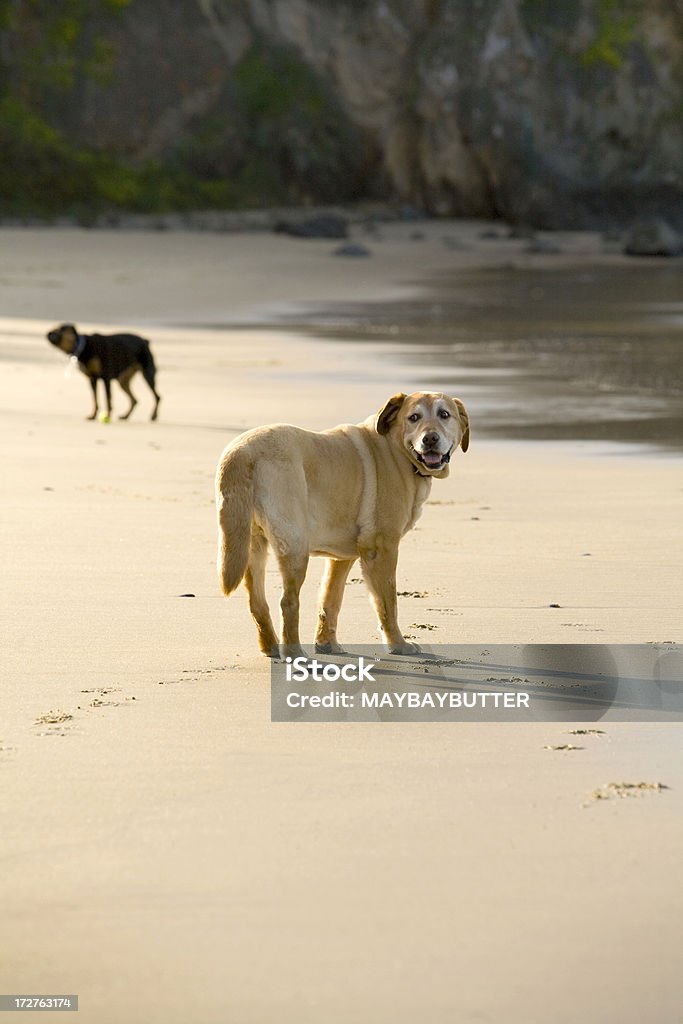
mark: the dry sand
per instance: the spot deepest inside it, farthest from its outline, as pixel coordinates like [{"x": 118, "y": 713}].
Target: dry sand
[{"x": 168, "y": 853}]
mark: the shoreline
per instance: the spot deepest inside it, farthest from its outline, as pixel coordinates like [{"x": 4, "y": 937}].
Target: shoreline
[
  {"x": 405, "y": 256},
  {"x": 443, "y": 298}
]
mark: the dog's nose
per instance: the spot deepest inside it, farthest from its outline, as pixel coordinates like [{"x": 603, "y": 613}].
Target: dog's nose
[{"x": 430, "y": 439}]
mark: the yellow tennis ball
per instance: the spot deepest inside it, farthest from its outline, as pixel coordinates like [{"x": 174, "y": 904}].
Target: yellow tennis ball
[{"x": 104, "y": 418}]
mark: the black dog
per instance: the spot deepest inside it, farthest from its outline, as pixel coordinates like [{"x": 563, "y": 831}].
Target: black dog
[{"x": 107, "y": 357}]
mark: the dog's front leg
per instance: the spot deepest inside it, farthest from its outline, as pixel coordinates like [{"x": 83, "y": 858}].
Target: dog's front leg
[
  {"x": 93, "y": 385},
  {"x": 107, "y": 391},
  {"x": 331, "y": 595},
  {"x": 379, "y": 570}
]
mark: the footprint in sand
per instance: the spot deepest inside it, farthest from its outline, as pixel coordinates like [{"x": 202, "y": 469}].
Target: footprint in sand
[
  {"x": 624, "y": 790},
  {"x": 53, "y": 718},
  {"x": 581, "y": 626},
  {"x": 56, "y": 722},
  {"x": 100, "y": 693},
  {"x": 191, "y": 675}
]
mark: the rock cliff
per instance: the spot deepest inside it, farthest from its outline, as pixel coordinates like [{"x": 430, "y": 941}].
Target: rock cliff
[{"x": 563, "y": 113}]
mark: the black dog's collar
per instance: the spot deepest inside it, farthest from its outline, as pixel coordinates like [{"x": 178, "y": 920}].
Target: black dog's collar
[{"x": 81, "y": 342}]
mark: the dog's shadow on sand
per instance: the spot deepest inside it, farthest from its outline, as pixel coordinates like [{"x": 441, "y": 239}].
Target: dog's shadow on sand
[{"x": 564, "y": 682}]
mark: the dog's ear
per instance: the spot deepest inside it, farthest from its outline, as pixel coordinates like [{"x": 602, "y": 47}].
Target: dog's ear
[
  {"x": 465, "y": 424},
  {"x": 387, "y": 415}
]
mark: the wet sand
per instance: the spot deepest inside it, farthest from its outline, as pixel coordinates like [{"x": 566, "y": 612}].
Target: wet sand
[
  {"x": 591, "y": 352},
  {"x": 168, "y": 853}
]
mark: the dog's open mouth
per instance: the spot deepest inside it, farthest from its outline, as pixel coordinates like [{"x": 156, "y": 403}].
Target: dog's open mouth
[{"x": 432, "y": 460}]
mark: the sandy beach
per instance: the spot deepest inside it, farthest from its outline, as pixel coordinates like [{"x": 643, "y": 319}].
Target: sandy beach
[{"x": 169, "y": 854}]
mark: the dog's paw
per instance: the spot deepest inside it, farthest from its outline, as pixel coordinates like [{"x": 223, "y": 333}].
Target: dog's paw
[
  {"x": 406, "y": 648},
  {"x": 292, "y": 651},
  {"x": 329, "y": 648}
]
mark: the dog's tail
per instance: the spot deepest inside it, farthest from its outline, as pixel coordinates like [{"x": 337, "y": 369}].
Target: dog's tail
[
  {"x": 147, "y": 364},
  {"x": 234, "y": 505}
]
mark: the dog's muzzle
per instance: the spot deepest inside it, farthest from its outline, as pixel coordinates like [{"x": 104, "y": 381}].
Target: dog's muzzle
[{"x": 433, "y": 459}]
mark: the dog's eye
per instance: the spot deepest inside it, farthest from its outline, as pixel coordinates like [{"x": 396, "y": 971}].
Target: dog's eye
[
  {"x": 444, "y": 414},
  {"x": 414, "y": 417}
]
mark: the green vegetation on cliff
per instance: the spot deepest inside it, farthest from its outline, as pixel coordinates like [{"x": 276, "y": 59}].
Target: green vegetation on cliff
[
  {"x": 45, "y": 46},
  {"x": 558, "y": 112},
  {"x": 612, "y": 24},
  {"x": 277, "y": 135},
  {"x": 41, "y": 174}
]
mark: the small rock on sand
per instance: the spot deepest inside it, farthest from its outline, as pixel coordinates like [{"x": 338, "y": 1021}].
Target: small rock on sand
[{"x": 653, "y": 238}]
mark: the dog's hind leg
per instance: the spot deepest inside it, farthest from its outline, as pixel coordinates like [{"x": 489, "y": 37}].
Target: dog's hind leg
[
  {"x": 331, "y": 596},
  {"x": 293, "y": 564},
  {"x": 255, "y": 578},
  {"x": 149, "y": 372},
  {"x": 93, "y": 385},
  {"x": 124, "y": 380}
]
